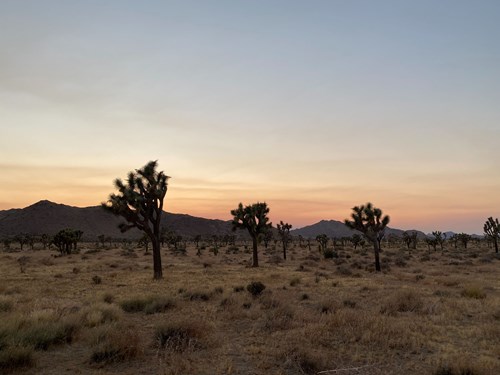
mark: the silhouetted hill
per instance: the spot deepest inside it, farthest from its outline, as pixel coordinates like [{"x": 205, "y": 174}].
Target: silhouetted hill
[
  {"x": 334, "y": 228},
  {"x": 49, "y": 217}
]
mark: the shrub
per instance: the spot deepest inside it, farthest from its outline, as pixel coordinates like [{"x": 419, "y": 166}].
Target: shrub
[
  {"x": 108, "y": 298},
  {"x": 295, "y": 281},
  {"x": 473, "y": 292},
  {"x": 159, "y": 305},
  {"x": 43, "y": 334},
  {"x": 149, "y": 305},
  {"x": 404, "y": 301},
  {"x": 238, "y": 289},
  {"x": 6, "y": 304},
  {"x": 15, "y": 357},
  {"x": 115, "y": 344},
  {"x": 133, "y": 305},
  {"x": 96, "y": 280},
  {"x": 96, "y": 315},
  {"x": 255, "y": 288},
  {"x": 181, "y": 335},
  {"x": 329, "y": 254}
]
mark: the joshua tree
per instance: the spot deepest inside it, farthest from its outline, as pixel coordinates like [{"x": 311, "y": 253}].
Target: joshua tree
[
  {"x": 492, "y": 231},
  {"x": 369, "y": 221},
  {"x": 410, "y": 239},
  {"x": 140, "y": 203},
  {"x": 45, "y": 240},
  {"x": 464, "y": 238},
  {"x": 439, "y": 237},
  {"x": 323, "y": 242},
  {"x": 22, "y": 239},
  {"x": 254, "y": 219},
  {"x": 268, "y": 237},
  {"x": 66, "y": 240},
  {"x": 356, "y": 240},
  {"x": 284, "y": 232},
  {"x": 144, "y": 241}
]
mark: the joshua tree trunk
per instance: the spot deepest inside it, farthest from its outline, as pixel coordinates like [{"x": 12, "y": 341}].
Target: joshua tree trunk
[
  {"x": 255, "y": 262},
  {"x": 157, "y": 270},
  {"x": 376, "y": 249},
  {"x": 284, "y": 251}
]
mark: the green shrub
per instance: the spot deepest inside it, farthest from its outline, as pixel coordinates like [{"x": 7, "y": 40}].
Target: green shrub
[
  {"x": 41, "y": 335},
  {"x": 133, "y": 305},
  {"x": 255, "y": 288},
  {"x": 149, "y": 305}
]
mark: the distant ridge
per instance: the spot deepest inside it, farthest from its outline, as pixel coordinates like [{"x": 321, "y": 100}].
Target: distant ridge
[
  {"x": 334, "y": 228},
  {"x": 49, "y": 217}
]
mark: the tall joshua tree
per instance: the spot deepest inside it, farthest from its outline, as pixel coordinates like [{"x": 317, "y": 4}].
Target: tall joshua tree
[
  {"x": 369, "y": 221},
  {"x": 140, "y": 203},
  {"x": 492, "y": 230},
  {"x": 284, "y": 231},
  {"x": 254, "y": 219}
]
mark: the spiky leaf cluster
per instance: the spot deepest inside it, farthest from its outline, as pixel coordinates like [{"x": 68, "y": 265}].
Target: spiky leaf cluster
[
  {"x": 368, "y": 220},
  {"x": 492, "y": 228},
  {"x": 252, "y": 218},
  {"x": 140, "y": 198}
]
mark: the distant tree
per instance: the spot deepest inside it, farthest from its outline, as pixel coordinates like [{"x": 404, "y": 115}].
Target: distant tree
[
  {"x": 439, "y": 238},
  {"x": 431, "y": 242},
  {"x": 323, "y": 242},
  {"x": 45, "y": 240},
  {"x": 6, "y": 243},
  {"x": 144, "y": 241},
  {"x": 140, "y": 203},
  {"x": 492, "y": 231},
  {"x": 197, "y": 240},
  {"x": 356, "y": 240},
  {"x": 216, "y": 243},
  {"x": 30, "y": 240},
  {"x": 21, "y": 239},
  {"x": 254, "y": 219},
  {"x": 66, "y": 240},
  {"x": 410, "y": 239},
  {"x": 464, "y": 238},
  {"x": 102, "y": 239},
  {"x": 369, "y": 221},
  {"x": 284, "y": 233},
  {"x": 267, "y": 238},
  {"x": 301, "y": 241}
]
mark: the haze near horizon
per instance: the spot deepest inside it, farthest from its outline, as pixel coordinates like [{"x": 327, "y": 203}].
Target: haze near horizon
[{"x": 313, "y": 107}]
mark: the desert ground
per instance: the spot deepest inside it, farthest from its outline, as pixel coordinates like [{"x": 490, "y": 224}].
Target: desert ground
[{"x": 99, "y": 311}]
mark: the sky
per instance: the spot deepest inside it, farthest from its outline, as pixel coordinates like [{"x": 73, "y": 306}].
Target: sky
[{"x": 311, "y": 106}]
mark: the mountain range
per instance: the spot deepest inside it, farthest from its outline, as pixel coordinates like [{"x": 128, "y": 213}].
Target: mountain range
[{"x": 49, "y": 217}]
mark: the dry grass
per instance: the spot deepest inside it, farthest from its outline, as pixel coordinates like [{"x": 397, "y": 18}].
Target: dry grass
[{"x": 425, "y": 314}]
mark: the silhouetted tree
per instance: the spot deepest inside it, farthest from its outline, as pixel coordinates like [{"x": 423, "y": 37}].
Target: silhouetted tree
[
  {"x": 197, "y": 240},
  {"x": 267, "y": 237},
  {"x": 144, "y": 242},
  {"x": 140, "y": 203},
  {"x": 439, "y": 238},
  {"x": 492, "y": 231},
  {"x": 369, "y": 221},
  {"x": 66, "y": 240},
  {"x": 45, "y": 240},
  {"x": 21, "y": 239},
  {"x": 284, "y": 232},
  {"x": 410, "y": 239},
  {"x": 254, "y": 219},
  {"x": 356, "y": 240},
  {"x": 323, "y": 242},
  {"x": 464, "y": 238}
]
